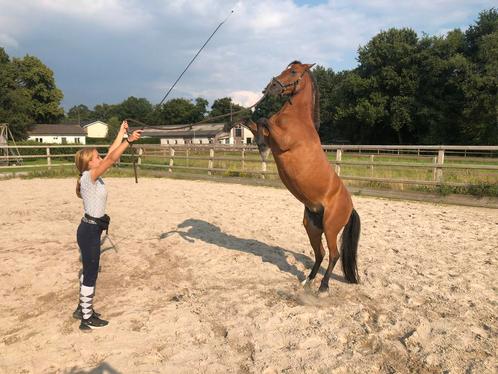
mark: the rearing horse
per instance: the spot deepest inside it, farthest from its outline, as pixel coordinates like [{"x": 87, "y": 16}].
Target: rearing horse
[{"x": 292, "y": 136}]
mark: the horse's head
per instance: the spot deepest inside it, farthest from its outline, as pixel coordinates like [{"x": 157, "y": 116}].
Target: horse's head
[
  {"x": 287, "y": 83},
  {"x": 261, "y": 134}
]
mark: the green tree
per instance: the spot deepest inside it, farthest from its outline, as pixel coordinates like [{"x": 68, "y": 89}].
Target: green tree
[
  {"x": 79, "y": 114},
  {"x": 135, "y": 108},
  {"x": 443, "y": 70},
  {"x": 389, "y": 64},
  {"x": 32, "y": 75},
  {"x": 179, "y": 111},
  {"x": 113, "y": 128},
  {"x": 15, "y": 103},
  {"x": 329, "y": 85},
  {"x": 27, "y": 94},
  {"x": 267, "y": 107},
  {"x": 104, "y": 112},
  {"x": 200, "y": 111},
  {"x": 481, "y": 88},
  {"x": 223, "y": 106}
]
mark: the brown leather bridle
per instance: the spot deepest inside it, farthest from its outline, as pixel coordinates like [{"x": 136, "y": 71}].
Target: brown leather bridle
[{"x": 293, "y": 84}]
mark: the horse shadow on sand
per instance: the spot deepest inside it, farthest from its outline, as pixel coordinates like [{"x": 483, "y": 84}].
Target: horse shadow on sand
[
  {"x": 103, "y": 368},
  {"x": 207, "y": 232}
]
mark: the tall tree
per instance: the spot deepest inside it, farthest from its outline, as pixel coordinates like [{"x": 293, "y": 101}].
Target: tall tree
[
  {"x": 180, "y": 111},
  {"x": 28, "y": 94},
  {"x": 389, "y": 63},
  {"x": 136, "y": 108},
  {"x": 38, "y": 80},
  {"x": 79, "y": 114},
  {"x": 104, "y": 112},
  {"x": 481, "y": 89},
  {"x": 225, "y": 105}
]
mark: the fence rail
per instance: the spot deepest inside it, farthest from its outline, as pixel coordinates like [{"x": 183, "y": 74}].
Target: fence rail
[{"x": 453, "y": 166}]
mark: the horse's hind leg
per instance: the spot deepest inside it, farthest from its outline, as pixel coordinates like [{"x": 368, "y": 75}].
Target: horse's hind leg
[
  {"x": 314, "y": 229},
  {"x": 333, "y": 221}
]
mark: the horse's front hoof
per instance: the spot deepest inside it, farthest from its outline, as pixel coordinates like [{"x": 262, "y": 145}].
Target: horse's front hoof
[
  {"x": 323, "y": 290},
  {"x": 307, "y": 283}
]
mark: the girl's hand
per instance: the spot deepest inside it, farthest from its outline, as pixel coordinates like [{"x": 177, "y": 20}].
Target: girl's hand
[
  {"x": 124, "y": 127},
  {"x": 135, "y": 135}
]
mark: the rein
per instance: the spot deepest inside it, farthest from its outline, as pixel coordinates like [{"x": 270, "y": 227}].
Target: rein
[{"x": 206, "y": 120}]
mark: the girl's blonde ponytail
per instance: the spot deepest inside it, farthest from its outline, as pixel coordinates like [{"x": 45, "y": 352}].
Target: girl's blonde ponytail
[{"x": 82, "y": 159}]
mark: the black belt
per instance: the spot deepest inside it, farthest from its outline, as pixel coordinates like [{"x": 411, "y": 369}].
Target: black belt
[{"x": 103, "y": 222}]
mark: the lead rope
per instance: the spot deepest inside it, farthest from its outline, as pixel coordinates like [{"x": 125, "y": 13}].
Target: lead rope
[{"x": 144, "y": 125}]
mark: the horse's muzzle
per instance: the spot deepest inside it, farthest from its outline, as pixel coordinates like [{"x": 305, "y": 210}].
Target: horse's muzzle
[
  {"x": 273, "y": 88},
  {"x": 264, "y": 151}
]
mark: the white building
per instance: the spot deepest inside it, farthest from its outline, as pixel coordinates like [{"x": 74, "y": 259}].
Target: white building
[
  {"x": 57, "y": 134},
  {"x": 208, "y": 133},
  {"x": 96, "y": 129}
]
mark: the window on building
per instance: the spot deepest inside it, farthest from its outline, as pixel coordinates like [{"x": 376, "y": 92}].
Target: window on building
[
  {"x": 248, "y": 140},
  {"x": 64, "y": 140},
  {"x": 77, "y": 140},
  {"x": 238, "y": 133}
]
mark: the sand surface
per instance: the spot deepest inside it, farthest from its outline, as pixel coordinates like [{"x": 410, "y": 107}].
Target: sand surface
[{"x": 206, "y": 280}]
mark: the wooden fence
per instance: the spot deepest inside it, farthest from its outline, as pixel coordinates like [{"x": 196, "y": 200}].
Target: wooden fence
[{"x": 452, "y": 166}]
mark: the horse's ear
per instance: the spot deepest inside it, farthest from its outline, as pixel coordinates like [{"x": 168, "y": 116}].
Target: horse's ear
[{"x": 309, "y": 66}]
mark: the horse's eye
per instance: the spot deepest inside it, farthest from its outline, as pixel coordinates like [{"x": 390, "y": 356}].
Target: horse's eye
[{"x": 293, "y": 72}]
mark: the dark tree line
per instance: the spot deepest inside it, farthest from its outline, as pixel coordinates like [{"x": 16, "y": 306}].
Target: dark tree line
[{"x": 416, "y": 90}]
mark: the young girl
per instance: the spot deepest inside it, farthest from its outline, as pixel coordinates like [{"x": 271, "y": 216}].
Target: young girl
[{"x": 91, "y": 189}]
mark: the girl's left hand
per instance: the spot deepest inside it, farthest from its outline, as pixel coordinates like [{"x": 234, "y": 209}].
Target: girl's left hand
[
  {"x": 124, "y": 126},
  {"x": 135, "y": 135}
]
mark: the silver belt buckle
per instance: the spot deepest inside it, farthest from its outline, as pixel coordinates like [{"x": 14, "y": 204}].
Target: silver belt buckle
[{"x": 86, "y": 220}]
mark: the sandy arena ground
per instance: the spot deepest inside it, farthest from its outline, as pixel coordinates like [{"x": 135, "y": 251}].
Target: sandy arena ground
[{"x": 205, "y": 280}]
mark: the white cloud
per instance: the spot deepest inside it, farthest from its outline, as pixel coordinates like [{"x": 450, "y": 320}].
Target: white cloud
[
  {"x": 8, "y": 41},
  {"x": 112, "y": 14},
  {"x": 245, "y": 98}
]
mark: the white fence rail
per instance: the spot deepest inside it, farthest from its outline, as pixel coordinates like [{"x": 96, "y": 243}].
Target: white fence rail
[{"x": 437, "y": 165}]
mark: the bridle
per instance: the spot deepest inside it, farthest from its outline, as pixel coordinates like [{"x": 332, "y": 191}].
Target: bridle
[{"x": 293, "y": 84}]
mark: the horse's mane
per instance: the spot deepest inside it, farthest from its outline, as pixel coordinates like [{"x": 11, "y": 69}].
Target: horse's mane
[
  {"x": 316, "y": 104},
  {"x": 316, "y": 97}
]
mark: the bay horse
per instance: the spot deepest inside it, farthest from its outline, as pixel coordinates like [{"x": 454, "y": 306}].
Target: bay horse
[{"x": 292, "y": 136}]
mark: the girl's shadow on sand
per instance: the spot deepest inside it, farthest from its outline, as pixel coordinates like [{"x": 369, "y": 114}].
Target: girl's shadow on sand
[{"x": 209, "y": 233}]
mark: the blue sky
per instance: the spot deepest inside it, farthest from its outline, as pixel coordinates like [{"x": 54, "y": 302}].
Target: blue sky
[{"x": 106, "y": 50}]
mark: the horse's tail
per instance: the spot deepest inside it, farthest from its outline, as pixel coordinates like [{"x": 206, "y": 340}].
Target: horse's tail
[{"x": 349, "y": 247}]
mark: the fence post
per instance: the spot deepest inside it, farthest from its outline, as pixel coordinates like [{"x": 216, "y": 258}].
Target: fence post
[
  {"x": 338, "y": 157},
  {"x": 243, "y": 158},
  {"x": 434, "y": 169},
  {"x": 439, "y": 169},
  {"x": 371, "y": 166},
  {"x": 171, "y": 159},
  {"x": 210, "y": 162},
  {"x": 49, "y": 159},
  {"x": 140, "y": 153}
]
